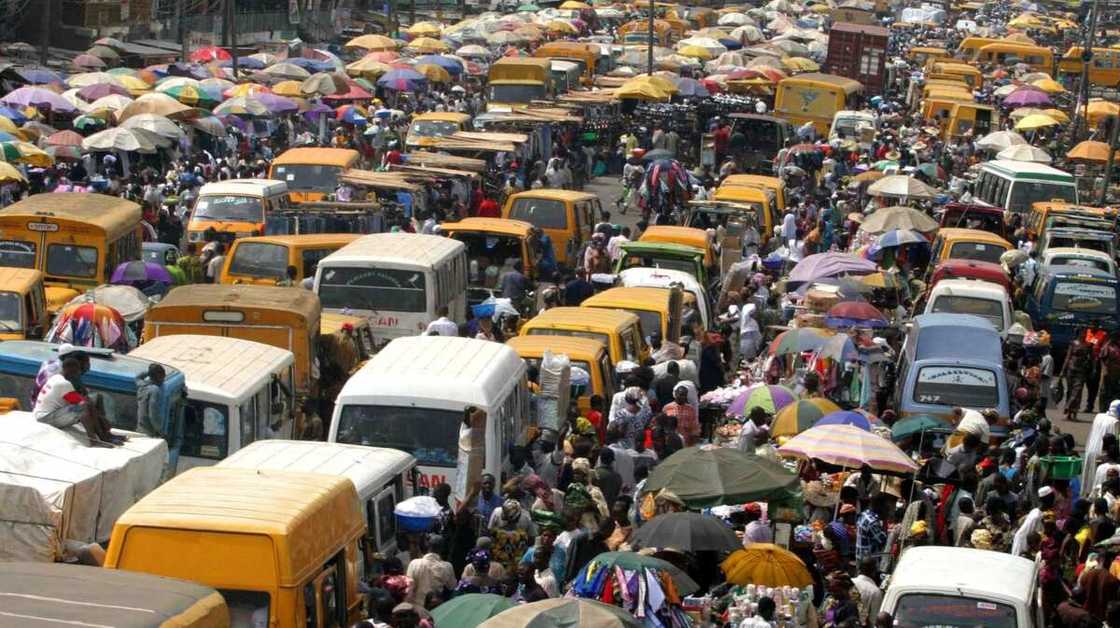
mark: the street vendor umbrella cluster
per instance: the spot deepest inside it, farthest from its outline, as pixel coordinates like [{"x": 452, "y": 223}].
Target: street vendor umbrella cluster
[
  {"x": 850, "y": 447},
  {"x": 562, "y": 613},
  {"x": 801, "y": 415}
]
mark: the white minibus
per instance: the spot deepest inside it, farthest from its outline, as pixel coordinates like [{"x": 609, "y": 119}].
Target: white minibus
[
  {"x": 412, "y": 395},
  {"x": 238, "y": 391},
  {"x": 1015, "y": 185},
  {"x": 399, "y": 281},
  {"x": 382, "y": 477}
]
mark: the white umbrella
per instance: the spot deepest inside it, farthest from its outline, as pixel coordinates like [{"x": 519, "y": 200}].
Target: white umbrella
[
  {"x": 734, "y": 19},
  {"x": 71, "y": 96},
  {"x": 1024, "y": 152},
  {"x": 172, "y": 82},
  {"x": 473, "y": 50},
  {"x": 707, "y": 43},
  {"x": 119, "y": 138},
  {"x": 902, "y": 186},
  {"x": 112, "y": 102},
  {"x": 92, "y": 78},
  {"x": 1000, "y": 140},
  {"x": 154, "y": 123},
  {"x": 748, "y": 33}
]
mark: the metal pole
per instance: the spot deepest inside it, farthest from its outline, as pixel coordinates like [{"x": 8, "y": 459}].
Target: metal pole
[
  {"x": 411, "y": 12},
  {"x": 1111, "y": 158},
  {"x": 45, "y": 32},
  {"x": 225, "y": 24},
  {"x": 180, "y": 31},
  {"x": 232, "y": 21},
  {"x": 649, "y": 56},
  {"x": 1086, "y": 59}
]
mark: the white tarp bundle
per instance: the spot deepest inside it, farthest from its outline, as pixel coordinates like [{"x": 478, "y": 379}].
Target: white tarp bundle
[
  {"x": 922, "y": 14},
  {"x": 53, "y": 487},
  {"x": 555, "y": 380}
]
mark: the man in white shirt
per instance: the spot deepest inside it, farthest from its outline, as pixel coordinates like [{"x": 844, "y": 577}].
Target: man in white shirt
[
  {"x": 61, "y": 404},
  {"x": 442, "y": 326},
  {"x": 870, "y": 595},
  {"x": 543, "y": 573},
  {"x": 755, "y": 430},
  {"x": 614, "y": 245},
  {"x": 214, "y": 266},
  {"x": 430, "y": 572}
]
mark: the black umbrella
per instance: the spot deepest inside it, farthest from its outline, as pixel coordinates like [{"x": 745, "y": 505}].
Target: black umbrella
[
  {"x": 656, "y": 154},
  {"x": 687, "y": 532}
]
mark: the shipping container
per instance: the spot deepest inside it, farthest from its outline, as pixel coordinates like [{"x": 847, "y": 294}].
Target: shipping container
[{"x": 858, "y": 52}]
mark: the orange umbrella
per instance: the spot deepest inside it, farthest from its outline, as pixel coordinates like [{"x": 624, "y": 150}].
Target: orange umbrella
[
  {"x": 768, "y": 565},
  {"x": 1089, "y": 150}
]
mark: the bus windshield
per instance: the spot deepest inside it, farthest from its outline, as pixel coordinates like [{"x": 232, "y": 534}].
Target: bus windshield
[
  {"x": 515, "y": 92},
  {"x": 917, "y": 610},
  {"x": 989, "y": 309},
  {"x": 1025, "y": 193},
  {"x": 388, "y": 289},
  {"x": 259, "y": 259},
  {"x": 1084, "y": 298},
  {"x": 230, "y": 208},
  {"x": 979, "y": 251},
  {"x": 308, "y": 177},
  {"x": 956, "y": 386},
  {"x": 541, "y": 212},
  {"x": 17, "y": 253},
  {"x": 11, "y": 311},
  {"x": 432, "y": 436}
]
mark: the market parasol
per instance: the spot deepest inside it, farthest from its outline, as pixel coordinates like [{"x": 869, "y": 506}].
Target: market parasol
[
  {"x": 840, "y": 348},
  {"x": 92, "y": 325},
  {"x": 149, "y": 277},
  {"x": 129, "y": 302},
  {"x": 1034, "y": 122},
  {"x": 711, "y": 476},
  {"x": 119, "y": 138},
  {"x": 770, "y": 397},
  {"x": 898, "y": 217},
  {"x": 845, "y": 417},
  {"x": 1089, "y": 150},
  {"x": 900, "y": 237},
  {"x": 902, "y": 186},
  {"x": 916, "y": 425},
  {"x": 768, "y": 565},
  {"x": 404, "y": 80},
  {"x": 562, "y": 612},
  {"x": 855, "y": 314},
  {"x": 798, "y": 340},
  {"x": 848, "y": 446},
  {"x": 820, "y": 265},
  {"x": 1025, "y": 152},
  {"x": 9, "y": 174},
  {"x": 1000, "y": 140},
  {"x": 687, "y": 532},
  {"x": 801, "y": 415},
  {"x": 1027, "y": 97},
  {"x": 372, "y": 43},
  {"x": 470, "y": 610},
  {"x": 38, "y": 97}
]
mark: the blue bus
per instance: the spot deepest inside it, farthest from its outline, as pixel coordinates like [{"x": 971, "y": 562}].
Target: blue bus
[
  {"x": 113, "y": 375},
  {"x": 1064, "y": 299}
]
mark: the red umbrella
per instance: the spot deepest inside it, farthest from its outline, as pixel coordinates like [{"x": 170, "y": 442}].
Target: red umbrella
[
  {"x": 744, "y": 74},
  {"x": 712, "y": 86},
  {"x": 210, "y": 53},
  {"x": 356, "y": 92},
  {"x": 64, "y": 138},
  {"x": 87, "y": 61},
  {"x": 384, "y": 56},
  {"x": 856, "y": 311}
]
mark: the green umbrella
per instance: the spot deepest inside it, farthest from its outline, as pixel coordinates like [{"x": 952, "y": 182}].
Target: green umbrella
[
  {"x": 86, "y": 123},
  {"x": 528, "y": 7},
  {"x": 713, "y": 476},
  {"x": 564, "y": 612},
  {"x": 633, "y": 561},
  {"x": 917, "y": 424},
  {"x": 467, "y": 611},
  {"x": 366, "y": 84}
]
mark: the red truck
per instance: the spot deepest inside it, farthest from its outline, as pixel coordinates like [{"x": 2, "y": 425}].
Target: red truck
[{"x": 859, "y": 52}]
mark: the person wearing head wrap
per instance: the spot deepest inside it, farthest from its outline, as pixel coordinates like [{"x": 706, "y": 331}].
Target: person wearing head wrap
[
  {"x": 632, "y": 416},
  {"x": 481, "y": 574},
  {"x": 583, "y": 499},
  {"x": 687, "y": 415},
  {"x": 511, "y": 529},
  {"x": 1103, "y": 423},
  {"x": 841, "y": 605}
]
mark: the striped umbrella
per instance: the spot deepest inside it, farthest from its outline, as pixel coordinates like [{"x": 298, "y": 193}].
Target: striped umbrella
[
  {"x": 770, "y": 397},
  {"x": 850, "y": 447},
  {"x": 25, "y": 152},
  {"x": 801, "y": 415},
  {"x": 799, "y": 340}
]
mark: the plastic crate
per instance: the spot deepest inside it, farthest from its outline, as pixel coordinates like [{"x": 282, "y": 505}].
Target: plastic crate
[{"x": 1061, "y": 467}]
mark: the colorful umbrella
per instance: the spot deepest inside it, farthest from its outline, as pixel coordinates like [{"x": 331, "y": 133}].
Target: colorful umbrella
[
  {"x": 846, "y": 417},
  {"x": 286, "y": 71},
  {"x": 801, "y": 415},
  {"x": 245, "y": 89},
  {"x": 353, "y": 92},
  {"x": 90, "y": 93},
  {"x": 1035, "y": 121},
  {"x": 402, "y": 80},
  {"x": 288, "y": 89},
  {"x": 242, "y": 106},
  {"x": 324, "y": 84},
  {"x": 349, "y": 114},
  {"x": 1027, "y": 97},
  {"x": 87, "y": 123},
  {"x": 850, "y": 447},
  {"x": 85, "y": 61},
  {"x": 427, "y": 45},
  {"x": 133, "y": 272},
  {"x": 277, "y": 104},
  {"x": 770, "y": 397},
  {"x": 210, "y": 53},
  {"x": 898, "y": 217},
  {"x": 372, "y": 43},
  {"x": 104, "y": 53},
  {"x": 687, "y": 532},
  {"x": 37, "y": 97},
  {"x": 91, "y": 325},
  {"x": 798, "y": 340},
  {"x": 471, "y": 609},
  {"x": 9, "y": 174},
  {"x": 13, "y": 114},
  {"x": 562, "y": 612},
  {"x": 26, "y": 153},
  {"x": 433, "y": 73},
  {"x": 193, "y": 96},
  {"x": 767, "y": 565},
  {"x": 901, "y": 185},
  {"x": 900, "y": 237},
  {"x": 710, "y": 476},
  {"x": 821, "y": 265},
  {"x": 633, "y": 561},
  {"x": 63, "y": 138},
  {"x": 453, "y": 66},
  {"x": 1088, "y": 150},
  {"x": 855, "y": 314}
]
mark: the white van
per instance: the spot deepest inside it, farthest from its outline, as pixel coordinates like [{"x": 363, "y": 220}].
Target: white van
[
  {"x": 858, "y": 126},
  {"x": 956, "y": 586},
  {"x": 238, "y": 391},
  {"x": 238, "y": 207},
  {"x": 399, "y": 281},
  {"x": 985, "y": 299},
  {"x": 642, "y": 277},
  {"x": 383, "y": 477},
  {"x": 411, "y": 396}
]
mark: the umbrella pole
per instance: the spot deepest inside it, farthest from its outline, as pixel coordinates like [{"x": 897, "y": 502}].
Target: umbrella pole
[{"x": 914, "y": 482}]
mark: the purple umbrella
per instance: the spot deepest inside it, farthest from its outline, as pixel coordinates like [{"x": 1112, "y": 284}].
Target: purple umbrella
[
  {"x": 770, "y": 397},
  {"x": 1027, "y": 97},
  {"x": 452, "y": 66},
  {"x": 402, "y": 80},
  {"x": 317, "y": 111},
  {"x": 39, "y": 98},
  {"x": 36, "y": 75},
  {"x": 190, "y": 70},
  {"x": 90, "y": 93},
  {"x": 277, "y": 104},
  {"x": 845, "y": 417},
  {"x": 136, "y": 271},
  {"x": 821, "y": 265},
  {"x": 691, "y": 87}
]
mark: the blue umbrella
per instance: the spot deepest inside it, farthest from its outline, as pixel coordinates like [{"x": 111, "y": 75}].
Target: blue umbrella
[
  {"x": 15, "y": 115},
  {"x": 317, "y": 111},
  {"x": 402, "y": 80},
  {"x": 311, "y": 65},
  {"x": 36, "y": 75},
  {"x": 352, "y": 116},
  {"x": 731, "y": 44},
  {"x": 692, "y": 88},
  {"x": 447, "y": 63},
  {"x": 845, "y": 417},
  {"x": 248, "y": 63},
  {"x": 189, "y": 70},
  {"x": 900, "y": 237}
]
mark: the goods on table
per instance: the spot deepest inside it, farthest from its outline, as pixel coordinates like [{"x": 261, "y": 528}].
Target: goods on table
[{"x": 792, "y": 604}]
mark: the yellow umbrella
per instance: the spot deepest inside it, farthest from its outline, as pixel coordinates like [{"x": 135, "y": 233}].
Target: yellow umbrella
[
  {"x": 27, "y": 153},
  {"x": 561, "y": 27},
  {"x": 367, "y": 68},
  {"x": 820, "y": 8},
  {"x": 1020, "y": 38},
  {"x": 8, "y": 126},
  {"x": 641, "y": 89},
  {"x": 425, "y": 29},
  {"x": 427, "y": 45},
  {"x": 1057, "y": 114},
  {"x": 372, "y": 43},
  {"x": 135, "y": 85},
  {"x": 433, "y": 72},
  {"x": 1050, "y": 86},
  {"x": 574, "y": 5},
  {"x": 768, "y": 565},
  {"x": 1089, "y": 150},
  {"x": 530, "y": 32},
  {"x": 8, "y": 173},
  {"x": 659, "y": 80},
  {"x": 695, "y": 51},
  {"x": 800, "y": 416},
  {"x": 1035, "y": 121},
  {"x": 289, "y": 89},
  {"x": 245, "y": 89}
]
